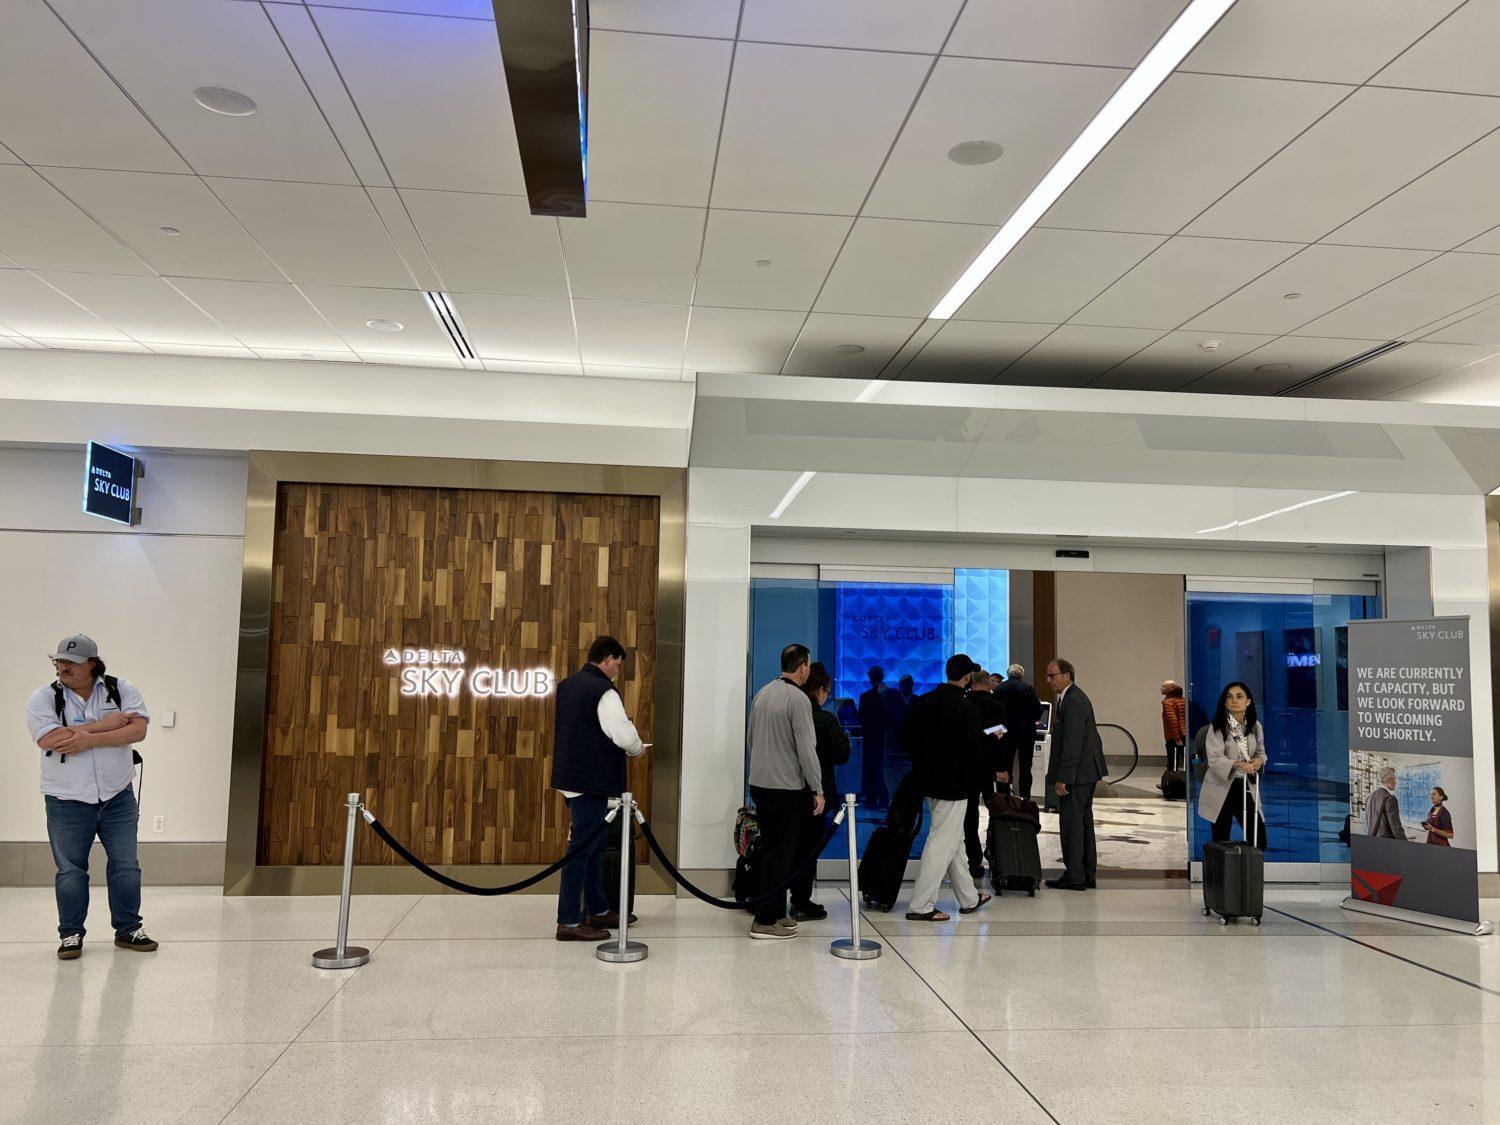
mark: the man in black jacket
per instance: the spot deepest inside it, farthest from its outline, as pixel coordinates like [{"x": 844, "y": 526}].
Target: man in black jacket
[
  {"x": 1075, "y": 767},
  {"x": 991, "y": 714},
  {"x": 833, "y": 750},
  {"x": 1022, "y": 712},
  {"x": 945, "y": 736},
  {"x": 594, "y": 737}
]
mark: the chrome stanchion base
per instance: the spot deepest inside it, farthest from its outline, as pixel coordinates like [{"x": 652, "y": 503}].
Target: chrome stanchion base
[
  {"x": 866, "y": 950},
  {"x": 611, "y": 951},
  {"x": 354, "y": 956}
]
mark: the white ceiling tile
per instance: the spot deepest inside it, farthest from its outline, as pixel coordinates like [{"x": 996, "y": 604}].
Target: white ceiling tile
[
  {"x": 1405, "y": 367},
  {"x": 263, "y": 315},
  {"x": 1034, "y": 110},
  {"x": 1302, "y": 356},
  {"x": 161, "y": 50},
  {"x": 71, "y": 345},
  {"x": 518, "y": 328},
  {"x": 136, "y": 205},
  {"x": 454, "y": 133},
  {"x": 799, "y": 251},
  {"x": 1051, "y": 274},
  {"x": 892, "y": 267},
  {"x": 1180, "y": 280},
  {"x": 1487, "y": 243},
  {"x": 349, "y": 309},
  {"x": 31, "y": 308},
  {"x": 1445, "y": 285},
  {"x": 1177, "y": 358},
  {"x": 41, "y": 229},
  {"x": 633, "y": 252},
  {"x": 873, "y": 25},
  {"x": 621, "y": 334},
  {"x": 1458, "y": 54},
  {"x": 1481, "y": 328},
  {"x": 807, "y": 127},
  {"x": 1437, "y": 212},
  {"x": 972, "y": 351},
  {"x": 1196, "y": 138},
  {"x": 8, "y": 157},
  {"x": 58, "y": 107},
  {"x": 144, "y": 308},
  {"x": 1366, "y": 148},
  {"x": 714, "y": 19},
  {"x": 654, "y": 107},
  {"x": 740, "y": 339},
  {"x": 1074, "y": 355},
  {"x": 321, "y": 233},
  {"x": 1326, "y": 277},
  {"x": 489, "y": 243},
  {"x": 881, "y": 338},
  {"x": 235, "y": 352},
  {"x": 327, "y": 355},
  {"x": 1477, "y": 383},
  {"x": 397, "y": 220},
  {"x": 1323, "y": 40},
  {"x": 1090, "y": 32}
]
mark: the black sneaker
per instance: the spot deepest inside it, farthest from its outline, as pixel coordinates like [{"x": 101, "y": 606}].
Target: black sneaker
[
  {"x": 137, "y": 941},
  {"x": 808, "y": 912},
  {"x": 71, "y": 948}
]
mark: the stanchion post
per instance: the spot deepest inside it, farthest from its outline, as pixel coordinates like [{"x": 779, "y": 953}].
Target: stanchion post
[
  {"x": 853, "y": 947},
  {"x": 623, "y": 949},
  {"x": 343, "y": 955}
]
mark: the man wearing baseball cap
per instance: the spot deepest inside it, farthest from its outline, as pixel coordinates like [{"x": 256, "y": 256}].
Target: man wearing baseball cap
[{"x": 86, "y": 725}]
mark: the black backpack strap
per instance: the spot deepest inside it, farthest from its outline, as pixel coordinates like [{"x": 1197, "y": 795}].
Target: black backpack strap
[
  {"x": 112, "y": 690},
  {"x": 57, "y": 703}
]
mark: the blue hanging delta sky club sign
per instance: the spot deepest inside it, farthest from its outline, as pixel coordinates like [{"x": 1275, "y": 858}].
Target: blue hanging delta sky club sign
[{"x": 109, "y": 484}]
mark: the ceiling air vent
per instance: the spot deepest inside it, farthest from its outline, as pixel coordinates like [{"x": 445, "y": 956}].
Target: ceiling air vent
[
  {"x": 1338, "y": 368},
  {"x": 442, "y": 311}
]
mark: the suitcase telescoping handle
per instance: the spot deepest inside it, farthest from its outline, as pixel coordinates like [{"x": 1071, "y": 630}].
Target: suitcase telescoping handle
[{"x": 1245, "y": 811}]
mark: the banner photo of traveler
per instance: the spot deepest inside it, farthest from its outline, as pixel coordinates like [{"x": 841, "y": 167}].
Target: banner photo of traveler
[{"x": 1411, "y": 768}]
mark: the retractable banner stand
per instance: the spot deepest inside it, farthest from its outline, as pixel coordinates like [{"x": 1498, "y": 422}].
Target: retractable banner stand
[{"x": 1411, "y": 773}]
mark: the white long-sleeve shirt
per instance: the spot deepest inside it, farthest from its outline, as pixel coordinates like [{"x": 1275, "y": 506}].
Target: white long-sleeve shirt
[{"x": 618, "y": 727}]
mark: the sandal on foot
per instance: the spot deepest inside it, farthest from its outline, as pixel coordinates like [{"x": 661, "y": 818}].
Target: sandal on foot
[
  {"x": 930, "y": 916},
  {"x": 983, "y": 898}
]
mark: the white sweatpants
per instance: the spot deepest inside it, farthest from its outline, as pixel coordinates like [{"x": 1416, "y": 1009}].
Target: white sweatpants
[{"x": 944, "y": 853}]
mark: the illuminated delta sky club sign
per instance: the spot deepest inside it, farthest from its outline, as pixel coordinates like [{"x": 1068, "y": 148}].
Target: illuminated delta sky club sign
[{"x": 445, "y": 672}]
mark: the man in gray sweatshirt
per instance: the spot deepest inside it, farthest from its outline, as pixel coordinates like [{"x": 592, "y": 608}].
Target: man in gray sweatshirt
[{"x": 783, "y": 766}]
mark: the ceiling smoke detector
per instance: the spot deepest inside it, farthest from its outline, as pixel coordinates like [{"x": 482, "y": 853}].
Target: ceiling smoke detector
[
  {"x": 762, "y": 263},
  {"x": 1290, "y": 296},
  {"x": 385, "y": 325},
  {"x": 975, "y": 152},
  {"x": 1209, "y": 345},
  {"x": 846, "y": 349},
  {"x": 220, "y": 99},
  {"x": 1274, "y": 367}
]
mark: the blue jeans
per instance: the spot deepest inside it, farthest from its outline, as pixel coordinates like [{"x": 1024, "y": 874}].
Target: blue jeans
[
  {"x": 583, "y": 879},
  {"x": 71, "y": 828}
]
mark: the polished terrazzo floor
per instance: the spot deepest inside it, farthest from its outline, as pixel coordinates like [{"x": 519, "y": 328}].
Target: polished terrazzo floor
[{"x": 1124, "y": 1005}]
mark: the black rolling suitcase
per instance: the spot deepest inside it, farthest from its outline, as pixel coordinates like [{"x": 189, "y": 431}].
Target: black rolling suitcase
[
  {"x": 1234, "y": 872},
  {"x": 1173, "y": 785},
  {"x": 1015, "y": 859},
  {"x": 882, "y": 868}
]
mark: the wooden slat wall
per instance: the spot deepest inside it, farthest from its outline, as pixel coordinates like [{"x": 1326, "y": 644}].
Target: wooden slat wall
[{"x": 513, "y": 579}]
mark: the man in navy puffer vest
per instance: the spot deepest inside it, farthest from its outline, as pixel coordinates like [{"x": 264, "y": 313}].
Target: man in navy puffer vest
[{"x": 594, "y": 737}]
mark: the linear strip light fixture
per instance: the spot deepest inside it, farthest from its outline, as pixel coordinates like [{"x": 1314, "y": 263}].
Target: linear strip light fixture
[
  {"x": 1278, "y": 512},
  {"x": 791, "y": 493},
  {"x": 441, "y": 308},
  {"x": 1196, "y": 21}
]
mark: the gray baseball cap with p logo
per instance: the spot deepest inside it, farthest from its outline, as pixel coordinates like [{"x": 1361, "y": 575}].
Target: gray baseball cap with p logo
[{"x": 76, "y": 648}]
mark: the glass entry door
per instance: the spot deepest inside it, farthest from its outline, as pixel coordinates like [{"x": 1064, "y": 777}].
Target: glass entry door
[{"x": 1290, "y": 646}]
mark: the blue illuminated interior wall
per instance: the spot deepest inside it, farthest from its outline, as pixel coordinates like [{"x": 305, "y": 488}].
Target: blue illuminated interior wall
[
  {"x": 981, "y": 616},
  {"x": 906, "y": 630}
]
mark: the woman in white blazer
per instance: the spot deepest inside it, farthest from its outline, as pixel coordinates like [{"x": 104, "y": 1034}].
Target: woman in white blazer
[{"x": 1236, "y": 750}]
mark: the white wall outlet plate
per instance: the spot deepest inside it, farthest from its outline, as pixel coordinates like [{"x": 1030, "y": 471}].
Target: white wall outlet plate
[
  {"x": 159, "y": 824},
  {"x": 169, "y": 718}
]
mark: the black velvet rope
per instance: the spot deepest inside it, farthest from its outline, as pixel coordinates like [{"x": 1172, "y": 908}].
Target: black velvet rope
[
  {"x": 468, "y": 888},
  {"x": 727, "y": 904}
]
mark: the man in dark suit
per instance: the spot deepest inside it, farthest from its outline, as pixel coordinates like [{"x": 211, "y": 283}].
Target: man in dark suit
[
  {"x": 1075, "y": 766},
  {"x": 1022, "y": 712}
]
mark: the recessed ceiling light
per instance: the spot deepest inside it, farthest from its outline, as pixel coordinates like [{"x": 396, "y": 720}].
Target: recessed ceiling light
[
  {"x": 975, "y": 152},
  {"x": 846, "y": 349},
  {"x": 1290, "y": 296},
  {"x": 762, "y": 263},
  {"x": 170, "y": 232},
  {"x": 219, "y": 99},
  {"x": 1196, "y": 21},
  {"x": 385, "y": 325},
  {"x": 1209, "y": 345},
  {"x": 1274, "y": 367}
]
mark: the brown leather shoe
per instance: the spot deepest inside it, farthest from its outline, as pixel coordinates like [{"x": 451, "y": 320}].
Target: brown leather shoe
[
  {"x": 608, "y": 921},
  {"x": 581, "y": 932}
]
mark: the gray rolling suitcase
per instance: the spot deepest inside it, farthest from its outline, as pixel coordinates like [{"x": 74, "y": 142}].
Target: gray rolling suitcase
[{"x": 1234, "y": 872}]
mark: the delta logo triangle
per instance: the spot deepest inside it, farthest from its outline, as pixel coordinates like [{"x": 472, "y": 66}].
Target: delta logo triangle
[{"x": 392, "y": 656}]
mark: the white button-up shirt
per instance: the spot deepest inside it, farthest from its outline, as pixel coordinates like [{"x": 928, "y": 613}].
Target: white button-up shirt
[{"x": 93, "y": 775}]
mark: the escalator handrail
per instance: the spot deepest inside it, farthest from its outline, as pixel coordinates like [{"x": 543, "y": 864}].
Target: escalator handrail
[{"x": 1135, "y": 751}]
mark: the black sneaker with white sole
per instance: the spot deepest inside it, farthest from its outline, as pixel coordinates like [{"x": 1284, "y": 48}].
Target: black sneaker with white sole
[
  {"x": 71, "y": 948},
  {"x": 137, "y": 941}
]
